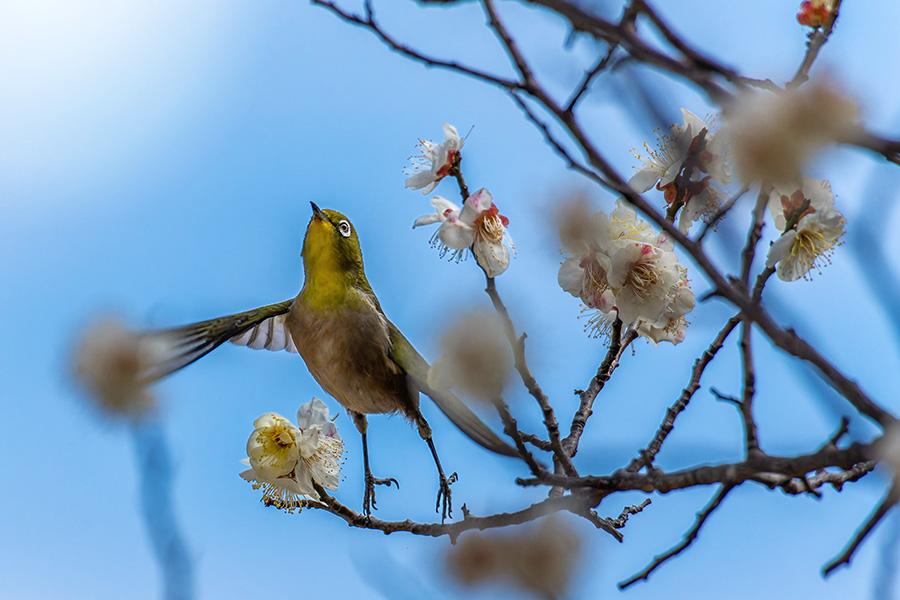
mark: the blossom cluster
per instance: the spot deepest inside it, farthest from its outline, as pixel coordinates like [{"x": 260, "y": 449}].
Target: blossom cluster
[
  {"x": 620, "y": 267},
  {"x": 771, "y": 138},
  {"x": 478, "y": 225},
  {"x": 286, "y": 460}
]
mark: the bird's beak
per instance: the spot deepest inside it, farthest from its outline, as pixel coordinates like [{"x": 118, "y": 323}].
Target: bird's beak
[{"x": 318, "y": 213}]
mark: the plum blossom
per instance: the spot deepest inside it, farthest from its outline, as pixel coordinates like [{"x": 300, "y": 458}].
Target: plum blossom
[
  {"x": 811, "y": 228},
  {"x": 809, "y": 245},
  {"x": 478, "y": 225},
  {"x": 285, "y": 459},
  {"x": 697, "y": 152},
  {"x": 620, "y": 268},
  {"x": 435, "y": 160}
]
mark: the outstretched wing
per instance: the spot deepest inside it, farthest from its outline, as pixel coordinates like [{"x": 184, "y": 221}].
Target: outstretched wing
[
  {"x": 416, "y": 367},
  {"x": 258, "y": 328}
]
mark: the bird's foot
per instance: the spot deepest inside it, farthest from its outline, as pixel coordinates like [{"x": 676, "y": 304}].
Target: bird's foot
[
  {"x": 444, "y": 505},
  {"x": 369, "y": 495}
]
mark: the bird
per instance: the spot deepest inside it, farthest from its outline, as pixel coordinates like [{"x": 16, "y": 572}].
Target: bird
[{"x": 351, "y": 349}]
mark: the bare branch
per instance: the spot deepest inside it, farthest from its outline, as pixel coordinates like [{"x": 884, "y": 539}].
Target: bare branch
[
  {"x": 627, "y": 512},
  {"x": 511, "y": 428},
  {"x": 731, "y": 473},
  {"x": 573, "y": 503},
  {"x": 369, "y": 23},
  {"x": 836, "y": 479}
]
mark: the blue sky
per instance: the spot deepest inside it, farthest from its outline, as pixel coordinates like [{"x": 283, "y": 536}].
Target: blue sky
[{"x": 157, "y": 161}]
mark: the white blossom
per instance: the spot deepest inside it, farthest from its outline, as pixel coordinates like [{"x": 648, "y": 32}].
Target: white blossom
[
  {"x": 478, "y": 225},
  {"x": 808, "y": 245},
  {"x": 435, "y": 160},
  {"x": 285, "y": 459}
]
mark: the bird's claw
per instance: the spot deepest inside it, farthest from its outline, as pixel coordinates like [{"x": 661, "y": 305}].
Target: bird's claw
[
  {"x": 444, "y": 505},
  {"x": 369, "y": 495}
]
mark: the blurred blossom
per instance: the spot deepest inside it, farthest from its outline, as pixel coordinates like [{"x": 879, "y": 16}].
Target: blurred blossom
[
  {"x": 621, "y": 265},
  {"x": 285, "y": 459},
  {"x": 698, "y": 156},
  {"x": 434, "y": 161},
  {"x": 772, "y": 136},
  {"x": 475, "y": 358},
  {"x": 812, "y": 228},
  {"x": 815, "y": 13},
  {"x": 109, "y": 361},
  {"x": 540, "y": 558},
  {"x": 479, "y": 226}
]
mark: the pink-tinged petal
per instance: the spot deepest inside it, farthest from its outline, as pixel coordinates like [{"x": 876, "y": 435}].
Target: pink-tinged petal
[
  {"x": 480, "y": 200},
  {"x": 312, "y": 413}
]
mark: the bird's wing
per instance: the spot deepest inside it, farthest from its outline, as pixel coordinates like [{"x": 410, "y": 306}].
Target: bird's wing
[
  {"x": 258, "y": 328},
  {"x": 404, "y": 354}
]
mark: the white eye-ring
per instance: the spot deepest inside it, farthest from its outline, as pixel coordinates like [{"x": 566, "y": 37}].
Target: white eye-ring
[{"x": 344, "y": 228}]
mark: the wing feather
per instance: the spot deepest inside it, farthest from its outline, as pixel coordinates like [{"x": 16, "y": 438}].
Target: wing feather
[{"x": 259, "y": 328}]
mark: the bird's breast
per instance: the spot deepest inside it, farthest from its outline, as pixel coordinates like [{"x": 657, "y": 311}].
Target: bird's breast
[{"x": 346, "y": 350}]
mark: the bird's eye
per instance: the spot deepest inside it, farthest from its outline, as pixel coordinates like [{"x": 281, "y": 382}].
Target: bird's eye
[{"x": 344, "y": 228}]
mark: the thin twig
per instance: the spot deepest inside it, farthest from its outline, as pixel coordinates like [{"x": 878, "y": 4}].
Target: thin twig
[
  {"x": 688, "y": 538},
  {"x": 649, "y": 454},
  {"x": 617, "y": 345},
  {"x": 817, "y": 39},
  {"x": 891, "y": 499},
  {"x": 531, "y": 384},
  {"x": 370, "y": 24}
]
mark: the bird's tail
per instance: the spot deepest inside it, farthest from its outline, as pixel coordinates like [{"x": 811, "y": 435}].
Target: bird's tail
[
  {"x": 467, "y": 421},
  {"x": 459, "y": 414}
]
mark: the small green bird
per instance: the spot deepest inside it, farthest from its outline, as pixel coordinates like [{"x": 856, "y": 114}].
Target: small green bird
[{"x": 351, "y": 349}]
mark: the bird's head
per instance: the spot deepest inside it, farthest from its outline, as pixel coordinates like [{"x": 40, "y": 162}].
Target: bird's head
[{"x": 331, "y": 248}]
